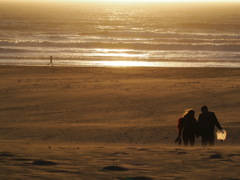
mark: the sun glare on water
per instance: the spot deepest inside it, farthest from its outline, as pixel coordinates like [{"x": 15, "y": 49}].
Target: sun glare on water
[{"x": 124, "y": 63}]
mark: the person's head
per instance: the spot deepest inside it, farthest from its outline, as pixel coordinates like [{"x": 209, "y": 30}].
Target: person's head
[
  {"x": 189, "y": 112},
  {"x": 204, "y": 109}
]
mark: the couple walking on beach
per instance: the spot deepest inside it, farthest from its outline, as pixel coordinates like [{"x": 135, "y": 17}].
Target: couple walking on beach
[{"x": 189, "y": 127}]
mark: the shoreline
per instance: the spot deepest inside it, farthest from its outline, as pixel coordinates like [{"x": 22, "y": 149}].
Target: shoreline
[
  {"x": 122, "y": 63},
  {"x": 111, "y": 67}
]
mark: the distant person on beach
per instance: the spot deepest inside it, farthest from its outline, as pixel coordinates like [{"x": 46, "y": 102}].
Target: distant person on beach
[
  {"x": 187, "y": 127},
  {"x": 206, "y": 123},
  {"x": 51, "y": 60}
]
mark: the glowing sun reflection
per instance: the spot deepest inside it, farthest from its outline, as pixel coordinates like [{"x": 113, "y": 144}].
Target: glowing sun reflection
[{"x": 126, "y": 63}]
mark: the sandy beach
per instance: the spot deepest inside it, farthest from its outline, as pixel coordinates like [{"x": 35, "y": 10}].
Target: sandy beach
[{"x": 114, "y": 123}]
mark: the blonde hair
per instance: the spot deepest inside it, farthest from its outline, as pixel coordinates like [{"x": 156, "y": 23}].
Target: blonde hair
[{"x": 187, "y": 111}]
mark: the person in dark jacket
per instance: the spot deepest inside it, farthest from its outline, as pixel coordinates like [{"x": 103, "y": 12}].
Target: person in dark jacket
[
  {"x": 206, "y": 124},
  {"x": 188, "y": 128}
]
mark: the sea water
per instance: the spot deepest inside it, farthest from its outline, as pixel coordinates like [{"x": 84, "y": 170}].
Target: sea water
[{"x": 120, "y": 34}]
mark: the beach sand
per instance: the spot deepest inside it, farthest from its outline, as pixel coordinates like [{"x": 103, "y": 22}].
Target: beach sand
[{"x": 114, "y": 123}]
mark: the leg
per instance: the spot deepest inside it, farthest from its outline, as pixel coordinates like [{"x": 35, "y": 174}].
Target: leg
[
  {"x": 211, "y": 140},
  {"x": 185, "y": 141},
  {"x": 192, "y": 141},
  {"x": 204, "y": 141}
]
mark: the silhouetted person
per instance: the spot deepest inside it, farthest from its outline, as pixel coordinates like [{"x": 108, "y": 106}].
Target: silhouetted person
[
  {"x": 187, "y": 126},
  {"x": 206, "y": 124},
  {"x": 51, "y": 60}
]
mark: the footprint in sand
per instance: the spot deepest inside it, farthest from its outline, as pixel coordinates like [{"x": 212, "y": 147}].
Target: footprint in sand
[
  {"x": 119, "y": 153},
  {"x": 22, "y": 159},
  {"x": 215, "y": 156},
  {"x": 136, "y": 178},
  {"x": 6, "y": 154},
  {"x": 43, "y": 163},
  {"x": 114, "y": 168}
]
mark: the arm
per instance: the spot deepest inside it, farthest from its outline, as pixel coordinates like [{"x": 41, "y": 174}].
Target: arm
[
  {"x": 217, "y": 124},
  {"x": 180, "y": 127}
]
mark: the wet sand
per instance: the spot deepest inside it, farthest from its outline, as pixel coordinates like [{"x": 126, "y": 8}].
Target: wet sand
[{"x": 114, "y": 123}]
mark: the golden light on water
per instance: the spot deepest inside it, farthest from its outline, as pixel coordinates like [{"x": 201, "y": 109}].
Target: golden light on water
[
  {"x": 125, "y": 63},
  {"x": 118, "y": 55},
  {"x": 125, "y": 53}
]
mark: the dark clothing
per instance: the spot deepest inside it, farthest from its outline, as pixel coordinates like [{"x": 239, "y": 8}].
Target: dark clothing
[
  {"x": 188, "y": 130},
  {"x": 206, "y": 124},
  {"x": 208, "y": 140}
]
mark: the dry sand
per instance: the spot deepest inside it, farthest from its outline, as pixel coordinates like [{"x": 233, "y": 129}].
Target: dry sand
[{"x": 114, "y": 123}]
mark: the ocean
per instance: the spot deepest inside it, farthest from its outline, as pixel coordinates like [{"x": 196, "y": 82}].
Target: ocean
[{"x": 118, "y": 34}]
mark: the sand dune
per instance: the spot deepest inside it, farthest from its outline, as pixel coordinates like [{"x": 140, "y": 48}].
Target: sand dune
[{"x": 114, "y": 123}]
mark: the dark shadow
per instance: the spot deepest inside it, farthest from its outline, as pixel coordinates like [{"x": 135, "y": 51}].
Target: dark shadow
[
  {"x": 22, "y": 159},
  {"x": 136, "y": 178},
  {"x": 6, "y": 154},
  {"x": 114, "y": 168},
  {"x": 63, "y": 171},
  {"x": 43, "y": 163},
  {"x": 119, "y": 153},
  {"x": 215, "y": 156}
]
